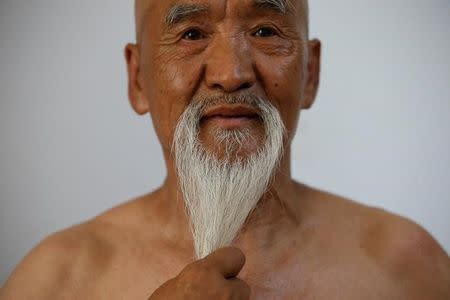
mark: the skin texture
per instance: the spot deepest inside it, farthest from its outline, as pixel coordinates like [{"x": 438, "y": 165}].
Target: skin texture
[{"x": 300, "y": 243}]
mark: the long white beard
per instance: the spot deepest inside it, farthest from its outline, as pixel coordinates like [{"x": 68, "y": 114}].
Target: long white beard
[{"x": 220, "y": 193}]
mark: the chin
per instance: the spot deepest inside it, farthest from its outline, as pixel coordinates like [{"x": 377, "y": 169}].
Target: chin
[{"x": 237, "y": 144}]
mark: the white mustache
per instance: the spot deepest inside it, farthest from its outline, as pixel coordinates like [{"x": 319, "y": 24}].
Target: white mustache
[{"x": 205, "y": 103}]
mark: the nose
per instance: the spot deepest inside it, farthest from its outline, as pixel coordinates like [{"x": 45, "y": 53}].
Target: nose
[{"x": 229, "y": 66}]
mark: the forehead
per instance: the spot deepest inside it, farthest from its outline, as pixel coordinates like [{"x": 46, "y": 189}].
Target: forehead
[{"x": 142, "y": 7}]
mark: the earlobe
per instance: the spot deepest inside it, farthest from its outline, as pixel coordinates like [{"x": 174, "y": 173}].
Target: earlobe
[
  {"x": 312, "y": 83},
  {"x": 135, "y": 95}
]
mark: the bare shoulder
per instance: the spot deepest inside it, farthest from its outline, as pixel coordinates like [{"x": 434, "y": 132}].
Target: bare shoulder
[
  {"x": 409, "y": 253},
  {"x": 64, "y": 264},
  {"x": 57, "y": 266},
  {"x": 411, "y": 258}
]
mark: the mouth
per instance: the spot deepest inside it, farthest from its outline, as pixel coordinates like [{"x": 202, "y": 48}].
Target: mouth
[{"x": 230, "y": 116}]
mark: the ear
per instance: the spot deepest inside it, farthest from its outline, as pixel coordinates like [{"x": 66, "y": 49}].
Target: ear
[
  {"x": 313, "y": 75},
  {"x": 135, "y": 94}
]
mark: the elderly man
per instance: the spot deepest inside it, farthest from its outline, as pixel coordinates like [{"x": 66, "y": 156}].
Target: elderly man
[{"x": 224, "y": 82}]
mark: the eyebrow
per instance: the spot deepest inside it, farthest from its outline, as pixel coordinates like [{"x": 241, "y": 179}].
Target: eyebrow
[
  {"x": 280, "y": 6},
  {"x": 180, "y": 12}
]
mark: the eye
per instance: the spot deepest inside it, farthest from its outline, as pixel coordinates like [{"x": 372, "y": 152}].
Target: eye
[
  {"x": 193, "y": 35},
  {"x": 265, "y": 32}
]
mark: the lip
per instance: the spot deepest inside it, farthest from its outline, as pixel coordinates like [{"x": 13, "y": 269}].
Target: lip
[{"x": 231, "y": 111}]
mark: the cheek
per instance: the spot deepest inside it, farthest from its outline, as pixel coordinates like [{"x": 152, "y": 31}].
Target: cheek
[
  {"x": 283, "y": 82},
  {"x": 169, "y": 89}
]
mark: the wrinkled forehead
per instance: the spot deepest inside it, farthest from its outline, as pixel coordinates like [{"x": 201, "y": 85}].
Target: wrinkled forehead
[{"x": 142, "y": 7}]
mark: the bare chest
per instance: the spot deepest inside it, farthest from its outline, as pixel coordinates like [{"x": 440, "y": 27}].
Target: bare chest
[
  {"x": 356, "y": 279},
  {"x": 343, "y": 278}
]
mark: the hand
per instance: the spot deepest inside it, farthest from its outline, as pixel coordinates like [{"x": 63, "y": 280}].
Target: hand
[{"x": 213, "y": 277}]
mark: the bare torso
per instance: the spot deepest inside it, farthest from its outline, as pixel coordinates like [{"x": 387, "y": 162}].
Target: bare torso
[{"x": 340, "y": 250}]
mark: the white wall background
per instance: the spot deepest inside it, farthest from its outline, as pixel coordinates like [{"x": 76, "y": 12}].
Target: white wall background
[{"x": 71, "y": 147}]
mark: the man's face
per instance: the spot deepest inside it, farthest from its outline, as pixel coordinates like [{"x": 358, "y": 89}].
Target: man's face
[{"x": 195, "y": 49}]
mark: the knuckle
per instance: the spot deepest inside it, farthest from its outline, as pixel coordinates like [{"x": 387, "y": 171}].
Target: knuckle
[
  {"x": 187, "y": 286},
  {"x": 236, "y": 253},
  {"x": 196, "y": 272}
]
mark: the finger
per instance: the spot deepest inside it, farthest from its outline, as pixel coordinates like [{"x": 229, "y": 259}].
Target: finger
[
  {"x": 240, "y": 288},
  {"x": 227, "y": 261}
]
